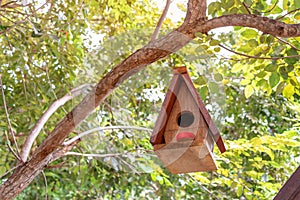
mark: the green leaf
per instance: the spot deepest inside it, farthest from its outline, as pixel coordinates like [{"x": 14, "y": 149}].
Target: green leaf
[
  {"x": 249, "y": 33},
  {"x": 288, "y": 91},
  {"x": 248, "y": 2},
  {"x": 214, "y": 42},
  {"x": 297, "y": 3},
  {"x": 285, "y": 4},
  {"x": 217, "y": 49},
  {"x": 248, "y": 91},
  {"x": 201, "y": 80},
  {"x": 218, "y": 77},
  {"x": 253, "y": 43},
  {"x": 213, "y": 87},
  {"x": 239, "y": 190},
  {"x": 277, "y": 10},
  {"x": 279, "y": 88},
  {"x": 271, "y": 68},
  {"x": 229, "y": 4},
  {"x": 203, "y": 92},
  {"x": 283, "y": 72},
  {"x": 297, "y": 16},
  {"x": 213, "y": 8},
  {"x": 274, "y": 79},
  {"x": 270, "y": 153}
]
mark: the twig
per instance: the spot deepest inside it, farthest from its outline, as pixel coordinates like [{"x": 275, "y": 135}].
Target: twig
[
  {"x": 247, "y": 8},
  {"x": 93, "y": 155},
  {"x": 53, "y": 92},
  {"x": 104, "y": 128},
  {"x": 12, "y": 151},
  {"x": 160, "y": 21},
  {"x": 258, "y": 57},
  {"x": 47, "y": 114},
  {"x": 278, "y": 18},
  {"x": 46, "y": 185},
  {"x": 23, "y": 21},
  {"x": 286, "y": 42},
  {"x": 207, "y": 190},
  {"x": 12, "y": 169},
  {"x": 9, "y": 124},
  {"x": 129, "y": 165},
  {"x": 104, "y": 155}
]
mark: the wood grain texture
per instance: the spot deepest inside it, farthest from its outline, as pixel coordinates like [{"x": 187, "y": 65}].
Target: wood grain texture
[
  {"x": 184, "y": 103},
  {"x": 291, "y": 189},
  {"x": 212, "y": 127},
  {"x": 186, "y": 159},
  {"x": 160, "y": 125}
]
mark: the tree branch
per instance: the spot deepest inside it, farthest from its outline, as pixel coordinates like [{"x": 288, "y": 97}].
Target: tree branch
[
  {"x": 161, "y": 19},
  {"x": 105, "y": 155},
  {"x": 79, "y": 136},
  {"x": 11, "y": 131},
  {"x": 46, "y": 185},
  {"x": 287, "y": 43},
  {"x": 279, "y": 18},
  {"x": 258, "y": 57},
  {"x": 264, "y": 24},
  {"x": 45, "y": 117}
]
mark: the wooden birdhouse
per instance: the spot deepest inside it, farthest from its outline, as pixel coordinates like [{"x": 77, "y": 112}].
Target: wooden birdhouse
[{"x": 184, "y": 133}]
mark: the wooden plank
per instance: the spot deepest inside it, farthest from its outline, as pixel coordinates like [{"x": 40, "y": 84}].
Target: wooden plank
[
  {"x": 187, "y": 158},
  {"x": 180, "y": 70},
  {"x": 291, "y": 189},
  {"x": 214, "y": 130},
  {"x": 160, "y": 125}
]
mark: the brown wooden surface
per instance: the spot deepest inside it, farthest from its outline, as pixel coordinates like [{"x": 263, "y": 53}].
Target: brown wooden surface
[
  {"x": 184, "y": 103},
  {"x": 291, "y": 189},
  {"x": 160, "y": 125},
  {"x": 180, "y": 70},
  {"x": 214, "y": 130},
  {"x": 186, "y": 159}
]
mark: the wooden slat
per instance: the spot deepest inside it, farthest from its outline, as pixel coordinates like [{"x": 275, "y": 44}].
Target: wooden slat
[
  {"x": 160, "y": 125},
  {"x": 291, "y": 189},
  {"x": 214, "y": 130},
  {"x": 180, "y": 70}
]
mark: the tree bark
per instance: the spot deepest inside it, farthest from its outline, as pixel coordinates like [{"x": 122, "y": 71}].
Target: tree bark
[{"x": 194, "y": 22}]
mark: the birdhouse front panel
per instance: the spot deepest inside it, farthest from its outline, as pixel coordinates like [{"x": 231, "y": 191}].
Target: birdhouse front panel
[{"x": 185, "y": 122}]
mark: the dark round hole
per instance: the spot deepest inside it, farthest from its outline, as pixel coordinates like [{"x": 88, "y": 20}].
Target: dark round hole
[{"x": 185, "y": 119}]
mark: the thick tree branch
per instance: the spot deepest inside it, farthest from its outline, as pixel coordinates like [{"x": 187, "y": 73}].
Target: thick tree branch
[
  {"x": 264, "y": 24},
  {"x": 45, "y": 117}
]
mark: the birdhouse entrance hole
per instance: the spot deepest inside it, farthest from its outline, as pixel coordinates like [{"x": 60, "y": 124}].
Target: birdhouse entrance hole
[{"x": 185, "y": 119}]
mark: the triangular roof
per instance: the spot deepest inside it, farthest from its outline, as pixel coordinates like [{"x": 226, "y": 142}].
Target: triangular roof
[{"x": 181, "y": 77}]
